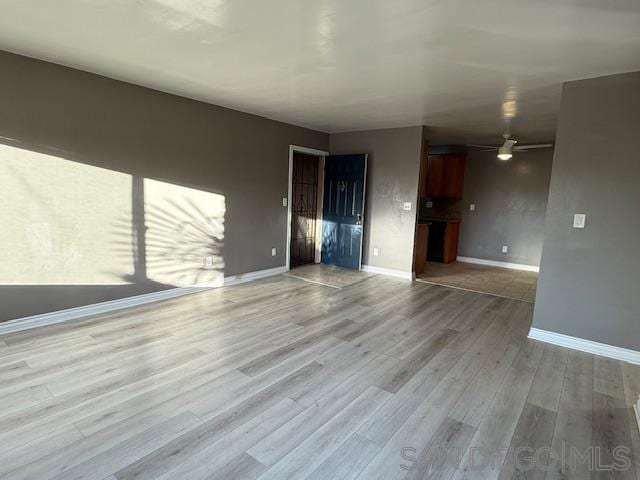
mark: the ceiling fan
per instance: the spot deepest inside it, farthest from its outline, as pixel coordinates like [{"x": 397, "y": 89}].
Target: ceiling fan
[{"x": 505, "y": 151}]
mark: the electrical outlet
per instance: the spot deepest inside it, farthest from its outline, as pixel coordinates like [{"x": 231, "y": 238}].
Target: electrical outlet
[
  {"x": 273, "y": 252},
  {"x": 406, "y": 206},
  {"x": 285, "y": 201},
  {"x": 429, "y": 204},
  {"x": 579, "y": 220},
  {"x": 505, "y": 249},
  {"x": 208, "y": 261},
  {"x": 375, "y": 251},
  {"x": 472, "y": 207}
]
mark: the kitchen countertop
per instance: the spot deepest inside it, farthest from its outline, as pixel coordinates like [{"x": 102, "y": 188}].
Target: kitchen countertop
[{"x": 437, "y": 219}]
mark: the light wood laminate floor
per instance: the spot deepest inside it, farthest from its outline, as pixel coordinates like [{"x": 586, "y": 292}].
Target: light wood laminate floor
[
  {"x": 516, "y": 284},
  {"x": 287, "y": 379},
  {"x": 328, "y": 275}
]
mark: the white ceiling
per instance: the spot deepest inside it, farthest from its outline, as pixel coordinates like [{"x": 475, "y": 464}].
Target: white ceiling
[{"x": 338, "y": 65}]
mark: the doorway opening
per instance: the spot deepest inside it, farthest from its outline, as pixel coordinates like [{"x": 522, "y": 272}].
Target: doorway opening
[
  {"x": 305, "y": 202},
  {"x": 304, "y": 209}
]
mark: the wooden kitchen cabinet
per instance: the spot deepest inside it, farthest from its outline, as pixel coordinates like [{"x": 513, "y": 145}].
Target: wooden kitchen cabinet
[
  {"x": 443, "y": 241},
  {"x": 421, "y": 246},
  {"x": 424, "y": 167},
  {"x": 442, "y": 176},
  {"x": 435, "y": 177},
  {"x": 451, "y": 237}
]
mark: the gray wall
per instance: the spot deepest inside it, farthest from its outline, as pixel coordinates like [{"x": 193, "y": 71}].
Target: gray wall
[
  {"x": 392, "y": 178},
  {"x": 511, "y": 199},
  {"x": 589, "y": 280},
  {"x": 60, "y": 116}
]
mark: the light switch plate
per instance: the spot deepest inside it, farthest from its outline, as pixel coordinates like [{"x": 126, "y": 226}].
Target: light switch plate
[
  {"x": 472, "y": 207},
  {"x": 273, "y": 252},
  {"x": 406, "y": 206},
  {"x": 579, "y": 220},
  {"x": 375, "y": 251},
  {"x": 285, "y": 201},
  {"x": 505, "y": 249}
]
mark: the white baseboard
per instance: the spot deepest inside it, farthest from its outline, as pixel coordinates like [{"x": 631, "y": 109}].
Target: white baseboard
[
  {"x": 250, "y": 276},
  {"x": 75, "y": 313},
  {"x": 588, "y": 346},
  {"x": 388, "y": 271},
  {"x": 494, "y": 263}
]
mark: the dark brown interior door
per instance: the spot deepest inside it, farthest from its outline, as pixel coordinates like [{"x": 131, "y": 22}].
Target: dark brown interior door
[{"x": 304, "y": 209}]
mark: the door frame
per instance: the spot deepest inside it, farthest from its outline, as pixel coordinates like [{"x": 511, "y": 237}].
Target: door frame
[
  {"x": 364, "y": 205},
  {"x": 320, "y": 154}
]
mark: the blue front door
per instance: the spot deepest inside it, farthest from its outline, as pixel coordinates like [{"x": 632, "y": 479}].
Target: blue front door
[{"x": 343, "y": 209}]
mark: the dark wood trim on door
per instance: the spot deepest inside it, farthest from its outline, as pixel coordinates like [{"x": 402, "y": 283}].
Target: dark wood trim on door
[{"x": 304, "y": 209}]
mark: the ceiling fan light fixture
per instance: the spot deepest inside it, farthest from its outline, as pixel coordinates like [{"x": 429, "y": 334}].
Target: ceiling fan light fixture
[{"x": 504, "y": 153}]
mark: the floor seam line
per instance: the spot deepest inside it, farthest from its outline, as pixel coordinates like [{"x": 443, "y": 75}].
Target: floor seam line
[
  {"x": 470, "y": 290},
  {"x": 313, "y": 281}
]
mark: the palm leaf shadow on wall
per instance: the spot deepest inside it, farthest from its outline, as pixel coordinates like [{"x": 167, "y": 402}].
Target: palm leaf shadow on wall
[
  {"x": 73, "y": 233},
  {"x": 175, "y": 230}
]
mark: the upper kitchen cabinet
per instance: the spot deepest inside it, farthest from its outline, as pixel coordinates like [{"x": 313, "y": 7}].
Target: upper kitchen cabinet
[{"x": 442, "y": 176}]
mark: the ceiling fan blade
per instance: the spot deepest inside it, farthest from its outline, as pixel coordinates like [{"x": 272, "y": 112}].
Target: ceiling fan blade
[
  {"x": 486, "y": 147},
  {"x": 521, "y": 148}
]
